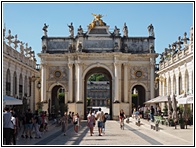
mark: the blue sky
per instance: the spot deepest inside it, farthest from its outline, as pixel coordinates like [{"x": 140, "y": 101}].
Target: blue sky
[{"x": 170, "y": 20}]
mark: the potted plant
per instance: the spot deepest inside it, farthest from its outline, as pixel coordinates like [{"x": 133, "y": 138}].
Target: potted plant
[
  {"x": 181, "y": 123},
  {"x": 171, "y": 122}
]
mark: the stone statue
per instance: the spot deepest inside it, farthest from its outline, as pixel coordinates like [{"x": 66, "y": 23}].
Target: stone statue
[
  {"x": 9, "y": 37},
  {"x": 152, "y": 48},
  {"x": 116, "y": 47},
  {"x": 151, "y": 30},
  {"x": 21, "y": 48},
  {"x": 185, "y": 39},
  {"x": 116, "y": 31},
  {"x": 125, "y": 48},
  {"x": 45, "y": 29},
  {"x": 70, "y": 48},
  {"x": 80, "y": 47},
  {"x": 191, "y": 34},
  {"x": 161, "y": 57},
  {"x": 80, "y": 30},
  {"x": 179, "y": 43},
  {"x": 71, "y": 30},
  {"x": 15, "y": 42},
  {"x": 4, "y": 29},
  {"x": 125, "y": 30}
]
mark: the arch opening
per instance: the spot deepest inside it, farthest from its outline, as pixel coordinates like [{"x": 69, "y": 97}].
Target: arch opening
[{"x": 98, "y": 91}]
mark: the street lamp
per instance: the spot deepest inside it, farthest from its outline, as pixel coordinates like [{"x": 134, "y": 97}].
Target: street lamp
[{"x": 39, "y": 85}]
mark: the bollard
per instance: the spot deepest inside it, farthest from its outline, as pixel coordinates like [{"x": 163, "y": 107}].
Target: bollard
[{"x": 156, "y": 127}]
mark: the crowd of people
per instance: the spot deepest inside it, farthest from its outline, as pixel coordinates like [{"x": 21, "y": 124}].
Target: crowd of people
[{"x": 15, "y": 122}]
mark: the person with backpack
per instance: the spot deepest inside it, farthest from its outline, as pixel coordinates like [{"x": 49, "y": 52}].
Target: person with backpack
[{"x": 104, "y": 121}]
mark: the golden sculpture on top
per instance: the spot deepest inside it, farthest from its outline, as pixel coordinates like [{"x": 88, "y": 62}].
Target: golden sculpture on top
[{"x": 97, "y": 21}]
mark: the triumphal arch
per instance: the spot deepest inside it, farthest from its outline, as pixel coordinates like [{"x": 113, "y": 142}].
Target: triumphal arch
[{"x": 128, "y": 62}]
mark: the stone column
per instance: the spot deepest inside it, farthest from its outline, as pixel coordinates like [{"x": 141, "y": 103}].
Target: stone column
[
  {"x": 70, "y": 89},
  {"x": 152, "y": 65},
  {"x": 125, "y": 83},
  {"x": 78, "y": 82},
  {"x": 43, "y": 83},
  {"x": 116, "y": 73}
]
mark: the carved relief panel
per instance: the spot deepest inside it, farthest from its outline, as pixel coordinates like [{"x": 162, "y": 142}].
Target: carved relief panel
[
  {"x": 139, "y": 72},
  {"x": 58, "y": 73}
]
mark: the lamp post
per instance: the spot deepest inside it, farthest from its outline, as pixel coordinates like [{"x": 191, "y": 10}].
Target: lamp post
[{"x": 39, "y": 107}]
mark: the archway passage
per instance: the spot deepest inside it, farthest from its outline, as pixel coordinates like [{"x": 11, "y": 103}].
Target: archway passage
[
  {"x": 139, "y": 96},
  {"x": 57, "y": 99},
  {"x": 104, "y": 101}
]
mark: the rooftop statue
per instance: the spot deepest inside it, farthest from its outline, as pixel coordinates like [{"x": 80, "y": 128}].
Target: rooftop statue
[
  {"x": 45, "y": 29},
  {"x": 71, "y": 30},
  {"x": 125, "y": 30},
  {"x": 97, "y": 21},
  {"x": 151, "y": 30}
]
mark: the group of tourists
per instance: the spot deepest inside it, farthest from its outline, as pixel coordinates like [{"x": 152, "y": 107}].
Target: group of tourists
[
  {"x": 27, "y": 123},
  {"x": 100, "y": 117},
  {"x": 70, "y": 118}
]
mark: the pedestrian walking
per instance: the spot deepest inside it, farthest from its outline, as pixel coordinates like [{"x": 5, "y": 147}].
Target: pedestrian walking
[
  {"x": 36, "y": 125},
  {"x": 152, "y": 113},
  {"x": 99, "y": 117},
  {"x": 13, "y": 130},
  {"x": 64, "y": 123},
  {"x": 23, "y": 125},
  {"x": 6, "y": 125},
  {"x": 76, "y": 122},
  {"x": 104, "y": 121},
  {"x": 29, "y": 123},
  {"x": 91, "y": 122}
]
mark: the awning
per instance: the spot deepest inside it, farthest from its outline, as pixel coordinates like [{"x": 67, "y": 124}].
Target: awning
[
  {"x": 11, "y": 101},
  {"x": 158, "y": 99},
  {"x": 185, "y": 100}
]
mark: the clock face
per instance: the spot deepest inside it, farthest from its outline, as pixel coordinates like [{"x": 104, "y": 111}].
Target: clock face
[
  {"x": 57, "y": 74},
  {"x": 138, "y": 74}
]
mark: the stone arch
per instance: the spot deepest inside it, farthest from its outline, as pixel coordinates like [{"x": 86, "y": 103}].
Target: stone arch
[
  {"x": 52, "y": 92},
  {"x": 8, "y": 82},
  {"x": 20, "y": 86},
  {"x": 186, "y": 81},
  {"x": 97, "y": 65},
  {"x": 174, "y": 84},
  {"x": 142, "y": 94},
  {"x": 98, "y": 68},
  {"x": 169, "y": 86},
  {"x": 15, "y": 84},
  {"x": 180, "y": 89}
]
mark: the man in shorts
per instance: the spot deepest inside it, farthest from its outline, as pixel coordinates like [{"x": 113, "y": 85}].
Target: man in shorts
[{"x": 100, "y": 116}]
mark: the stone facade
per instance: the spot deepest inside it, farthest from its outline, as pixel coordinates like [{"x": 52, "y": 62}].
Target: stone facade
[
  {"x": 20, "y": 72},
  {"x": 176, "y": 68},
  {"x": 127, "y": 61}
]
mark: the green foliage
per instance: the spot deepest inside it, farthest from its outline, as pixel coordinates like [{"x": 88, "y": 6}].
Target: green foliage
[
  {"x": 63, "y": 107},
  {"x": 61, "y": 97},
  {"x": 98, "y": 77},
  {"x": 39, "y": 105}
]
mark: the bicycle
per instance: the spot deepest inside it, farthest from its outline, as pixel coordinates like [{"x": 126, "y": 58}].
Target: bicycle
[{"x": 122, "y": 124}]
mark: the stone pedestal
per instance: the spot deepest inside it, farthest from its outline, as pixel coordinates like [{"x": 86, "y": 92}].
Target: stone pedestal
[
  {"x": 116, "y": 111},
  {"x": 125, "y": 107},
  {"x": 77, "y": 108}
]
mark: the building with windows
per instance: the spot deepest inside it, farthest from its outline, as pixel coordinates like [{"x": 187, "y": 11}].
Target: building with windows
[
  {"x": 98, "y": 92},
  {"x": 176, "y": 67},
  {"x": 19, "y": 71}
]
